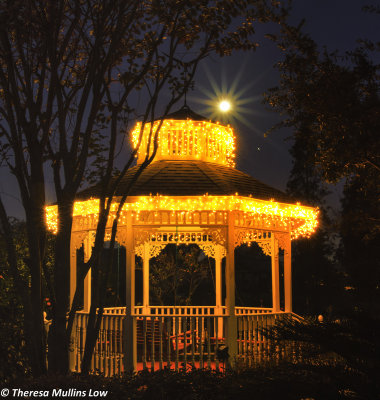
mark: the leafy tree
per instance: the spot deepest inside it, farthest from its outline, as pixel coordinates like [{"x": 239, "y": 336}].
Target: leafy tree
[
  {"x": 176, "y": 274},
  {"x": 336, "y": 98},
  {"x": 317, "y": 283},
  {"x": 69, "y": 73},
  {"x": 333, "y": 104},
  {"x": 346, "y": 348},
  {"x": 14, "y": 361},
  {"x": 359, "y": 230},
  {"x": 253, "y": 277}
]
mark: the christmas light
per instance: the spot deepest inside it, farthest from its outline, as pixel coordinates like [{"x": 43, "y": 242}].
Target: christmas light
[
  {"x": 187, "y": 139},
  {"x": 301, "y": 220},
  {"x": 199, "y": 140}
]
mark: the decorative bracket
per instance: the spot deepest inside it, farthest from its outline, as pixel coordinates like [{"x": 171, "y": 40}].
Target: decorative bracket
[
  {"x": 218, "y": 235},
  {"x": 283, "y": 239},
  {"x": 212, "y": 250},
  {"x": 266, "y": 246},
  {"x": 154, "y": 249}
]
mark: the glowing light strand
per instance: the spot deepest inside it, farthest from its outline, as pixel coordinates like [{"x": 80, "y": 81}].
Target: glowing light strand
[
  {"x": 188, "y": 139},
  {"x": 306, "y": 218}
]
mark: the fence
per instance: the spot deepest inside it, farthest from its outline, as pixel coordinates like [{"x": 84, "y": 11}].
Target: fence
[{"x": 179, "y": 337}]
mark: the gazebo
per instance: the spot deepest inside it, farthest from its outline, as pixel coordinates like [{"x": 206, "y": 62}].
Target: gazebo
[{"x": 190, "y": 194}]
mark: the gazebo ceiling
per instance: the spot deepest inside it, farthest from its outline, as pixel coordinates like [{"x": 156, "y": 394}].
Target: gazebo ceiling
[{"x": 192, "y": 178}]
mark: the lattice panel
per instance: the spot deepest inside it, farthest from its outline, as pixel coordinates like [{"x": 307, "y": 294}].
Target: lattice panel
[{"x": 243, "y": 235}]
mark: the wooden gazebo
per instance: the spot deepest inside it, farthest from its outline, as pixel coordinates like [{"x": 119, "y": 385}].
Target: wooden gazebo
[{"x": 190, "y": 194}]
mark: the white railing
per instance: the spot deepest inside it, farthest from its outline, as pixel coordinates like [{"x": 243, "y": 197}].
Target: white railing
[
  {"x": 254, "y": 348},
  {"x": 187, "y": 310},
  {"x": 114, "y": 310},
  {"x": 177, "y": 341},
  {"x": 252, "y": 310},
  {"x": 173, "y": 337},
  {"x": 108, "y": 354},
  {"x": 180, "y": 310}
]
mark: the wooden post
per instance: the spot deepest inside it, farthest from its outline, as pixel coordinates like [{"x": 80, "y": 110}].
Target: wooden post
[
  {"x": 87, "y": 280},
  {"x": 218, "y": 277},
  {"x": 73, "y": 284},
  {"x": 130, "y": 347},
  {"x": 218, "y": 288},
  {"x": 231, "y": 338},
  {"x": 288, "y": 274},
  {"x": 275, "y": 275},
  {"x": 73, "y": 268},
  {"x": 146, "y": 278}
]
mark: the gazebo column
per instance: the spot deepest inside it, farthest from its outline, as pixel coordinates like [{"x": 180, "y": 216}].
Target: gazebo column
[
  {"x": 130, "y": 348},
  {"x": 73, "y": 268},
  {"x": 218, "y": 278},
  {"x": 87, "y": 244},
  {"x": 288, "y": 274},
  {"x": 231, "y": 338},
  {"x": 73, "y": 285},
  {"x": 275, "y": 274},
  {"x": 218, "y": 287},
  {"x": 146, "y": 278}
]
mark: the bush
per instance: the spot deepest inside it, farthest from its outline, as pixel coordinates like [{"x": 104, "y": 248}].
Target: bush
[{"x": 286, "y": 383}]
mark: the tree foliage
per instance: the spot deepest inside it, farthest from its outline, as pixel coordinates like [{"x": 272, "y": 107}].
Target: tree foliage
[
  {"x": 336, "y": 98},
  {"x": 346, "y": 348},
  {"x": 176, "y": 274},
  {"x": 332, "y": 103}
]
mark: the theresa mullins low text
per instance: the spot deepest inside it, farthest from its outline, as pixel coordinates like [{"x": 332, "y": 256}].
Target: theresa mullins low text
[{"x": 59, "y": 393}]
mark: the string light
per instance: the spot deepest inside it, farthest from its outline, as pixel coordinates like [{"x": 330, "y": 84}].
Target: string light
[
  {"x": 200, "y": 140},
  {"x": 188, "y": 139},
  {"x": 300, "y": 219}
]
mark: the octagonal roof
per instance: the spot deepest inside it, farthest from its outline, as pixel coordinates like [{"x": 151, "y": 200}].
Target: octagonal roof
[{"x": 191, "y": 178}]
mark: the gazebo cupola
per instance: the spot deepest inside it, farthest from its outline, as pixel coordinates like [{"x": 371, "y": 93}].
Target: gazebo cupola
[
  {"x": 190, "y": 194},
  {"x": 185, "y": 135}
]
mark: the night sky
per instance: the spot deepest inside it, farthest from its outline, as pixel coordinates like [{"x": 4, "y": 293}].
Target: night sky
[{"x": 336, "y": 24}]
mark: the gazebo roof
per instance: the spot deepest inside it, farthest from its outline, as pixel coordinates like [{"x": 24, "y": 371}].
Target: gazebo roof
[
  {"x": 191, "y": 178},
  {"x": 185, "y": 113},
  {"x": 193, "y": 171}
]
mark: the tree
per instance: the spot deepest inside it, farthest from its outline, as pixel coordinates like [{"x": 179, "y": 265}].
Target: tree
[
  {"x": 69, "y": 71},
  {"x": 346, "y": 349},
  {"x": 335, "y": 97},
  {"x": 176, "y": 274},
  {"x": 332, "y": 102},
  {"x": 359, "y": 230},
  {"x": 13, "y": 352},
  {"x": 317, "y": 283}
]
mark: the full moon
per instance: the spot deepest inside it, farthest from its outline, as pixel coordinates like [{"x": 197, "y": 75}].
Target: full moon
[{"x": 224, "y": 106}]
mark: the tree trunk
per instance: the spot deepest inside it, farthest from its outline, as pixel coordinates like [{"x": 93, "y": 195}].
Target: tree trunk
[
  {"x": 36, "y": 232},
  {"x": 58, "y": 337}
]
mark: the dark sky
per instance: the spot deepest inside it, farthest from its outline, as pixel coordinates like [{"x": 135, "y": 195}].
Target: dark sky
[{"x": 336, "y": 24}]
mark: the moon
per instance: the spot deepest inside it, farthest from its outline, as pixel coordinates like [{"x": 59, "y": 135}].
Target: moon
[{"x": 224, "y": 106}]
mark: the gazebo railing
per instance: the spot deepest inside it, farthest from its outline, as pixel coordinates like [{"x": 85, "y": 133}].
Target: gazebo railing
[
  {"x": 180, "y": 310},
  {"x": 254, "y": 348},
  {"x": 252, "y": 310},
  {"x": 114, "y": 310},
  {"x": 108, "y": 353},
  {"x": 176, "y": 337},
  {"x": 178, "y": 341},
  {"x": 188, "y": 310}
]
